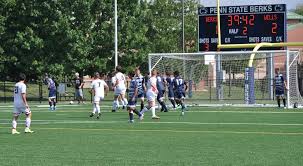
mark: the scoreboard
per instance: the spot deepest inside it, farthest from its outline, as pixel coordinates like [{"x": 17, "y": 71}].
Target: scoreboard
[{"x": 242, "y": 25}]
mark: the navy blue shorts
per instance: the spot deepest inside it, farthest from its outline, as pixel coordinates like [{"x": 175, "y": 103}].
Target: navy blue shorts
[
  {"x": 160, "y": 94},
  {"x": 141, "y": 95},
  {"x": 52, "y": 93},
  {"x": 279, "y": 92},
  {"x": 171, "y": 94},
  {"x": 179, "y": 95},
  {"x": 132, "y": 104}
]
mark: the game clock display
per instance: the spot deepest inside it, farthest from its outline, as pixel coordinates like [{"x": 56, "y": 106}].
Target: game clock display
[{"x": 242, "y": 25}]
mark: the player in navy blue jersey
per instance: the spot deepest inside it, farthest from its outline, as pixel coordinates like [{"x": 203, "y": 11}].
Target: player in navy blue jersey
[
  {"x": 179, "y": 90},
  {"x": 132, "y": 97},
  {"x": 51, "y": 85},
  {"x": 141, "y": 86},
  {"x": 161, "y": 92},
  {"x": 170, "y": 86},
  {"x": 280, "y": 85}
]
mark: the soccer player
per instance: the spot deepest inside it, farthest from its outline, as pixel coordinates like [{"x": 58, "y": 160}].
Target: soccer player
[
  {"x": 113, "y": 88},
  {"x": 161, "y": 91},
  {"x": 141, "y": 86},
  {"x": 132, "y": 98},
  {"x": 120, "y": 88},
  {"x": 97, "y": 88},
  {"x": 21, "y": 106},
  {"x": 170, "y": 85},
  {"x": 78, "y": 88},
  {"x": 179, "y": 90},
  {"x": 280, "y": 85},
  {"x": 151, "y": 94},
  {"x": 51, "y": 85}
]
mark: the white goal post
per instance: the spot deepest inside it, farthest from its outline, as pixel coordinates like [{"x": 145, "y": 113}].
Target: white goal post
[{"x": 220, "y": 77}]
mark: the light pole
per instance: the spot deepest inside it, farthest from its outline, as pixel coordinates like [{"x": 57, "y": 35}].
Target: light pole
[
  {"x": 116, "y": 35},
  {"x": 183, "y": 39}
]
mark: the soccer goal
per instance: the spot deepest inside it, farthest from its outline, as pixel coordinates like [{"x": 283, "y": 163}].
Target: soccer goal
[{"x": 223, "y": 77}]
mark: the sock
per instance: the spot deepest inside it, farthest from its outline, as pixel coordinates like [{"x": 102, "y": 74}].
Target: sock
[
  {"x": 115, "y": 104},
  {"x": 173, "y": 102},
  {"x": 284, "y": 102},
  {"x": 125, "y": 101},
  {"x": 54, "y": 103},
  {"x": 183, "y": 106},
  {"x": 144, "y": 110},
  {"x": 153, "y": 110},
  {"x": 131, "y": 115},
  {"x": 95, "y": 109},
  {"x": 142, "y": 105},
  {"x": 137, "y": 112},
  {"x": 50, "y": 103},
  {"x": 98, "y": 108},
  {"x": 28, "y": 122},
  {"x": 278, "y": 100},
  {"x": 14, "y": 124},
  {"x": 164, "y": 108}
]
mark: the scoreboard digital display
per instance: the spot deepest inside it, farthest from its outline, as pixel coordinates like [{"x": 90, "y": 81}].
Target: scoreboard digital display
[{"x": 242, "y": 25}]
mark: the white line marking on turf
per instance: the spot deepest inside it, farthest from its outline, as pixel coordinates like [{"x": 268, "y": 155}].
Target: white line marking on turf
[
  {"x": 172, "y": 131},
  {"x": 72, "y": 110},
  {"x": 187, "y": 123}
]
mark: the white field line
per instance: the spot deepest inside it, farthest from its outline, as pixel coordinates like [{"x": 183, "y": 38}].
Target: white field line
[
  {"x": 75, "y": 109},
  {"x": 171, "y": 131},
  {"x": 113, "y": 122}
]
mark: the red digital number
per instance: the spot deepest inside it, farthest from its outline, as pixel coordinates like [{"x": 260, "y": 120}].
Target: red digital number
[
  {"x": 245, "y": 19},
  {"x": 251, "y": 19},
  {"x": 237, "y": 19},
  {"x": 206, "y": 47},
  {"x": 244, "y": 30},
  {"x": 274, "y": 28},
  {"x": 230, "y": 21}
]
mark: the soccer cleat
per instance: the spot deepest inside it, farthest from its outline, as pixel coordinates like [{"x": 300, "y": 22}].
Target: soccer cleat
[
  {"x": 50, "y": 108},
  {"x": 123, "y": 107},
  {"x": 113, "y": 110},
  {"x": 182, "y": 113},
  {"x": 54, "y": 108},
  {"x": 131, "y": 121},
  {"x": 91, "y": 115},
  {"x": 98, "y": 117},
  {"x": 155, "y": 117},
  {"x": 14, "y": 131},
  {"x": 141, "y": 117},
  {"x": 28, "y": 130}
]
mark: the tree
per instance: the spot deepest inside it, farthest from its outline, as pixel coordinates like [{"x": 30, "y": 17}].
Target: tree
[{"x": 299, "y": 9}]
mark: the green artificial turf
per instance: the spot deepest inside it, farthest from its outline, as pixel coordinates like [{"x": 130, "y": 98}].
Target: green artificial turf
[{"x": 204, "y": 136}]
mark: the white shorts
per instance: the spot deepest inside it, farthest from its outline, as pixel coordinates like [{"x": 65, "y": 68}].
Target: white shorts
[
  {"x": 151, "y": 96},
  {"x": 20, "y": 110},
  {"x": 120, "y": 90},
  {"x": 97, "y": 99}
]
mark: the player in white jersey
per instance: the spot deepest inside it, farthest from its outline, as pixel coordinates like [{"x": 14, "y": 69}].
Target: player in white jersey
[
  {"x": 151, "y": 95},
  {"x": 120, "y": 88},
  {"x": 97, "y": 88},
  {"x": 21, "y": 106},
  {"x": 113, "y": 82}
]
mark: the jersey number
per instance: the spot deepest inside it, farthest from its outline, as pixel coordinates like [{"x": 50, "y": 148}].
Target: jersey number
[
  {"x": 179, "y": 82},
  {"x": 99, "y": 84},
  {"x": 16, "y": 89}
]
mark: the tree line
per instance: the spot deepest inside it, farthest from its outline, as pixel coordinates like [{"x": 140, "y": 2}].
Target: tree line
[{"x": 61, "y": 37}]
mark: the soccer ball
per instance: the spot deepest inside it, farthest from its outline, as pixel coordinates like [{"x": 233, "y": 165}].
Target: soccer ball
[{"x": 71, "y": 102}]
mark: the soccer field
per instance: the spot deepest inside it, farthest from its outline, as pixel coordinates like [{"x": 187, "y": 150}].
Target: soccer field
[{"x": 204, "y": 136}]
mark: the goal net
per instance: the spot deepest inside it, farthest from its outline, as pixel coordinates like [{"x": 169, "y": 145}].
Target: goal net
[{"x": 220, "y": 77}]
